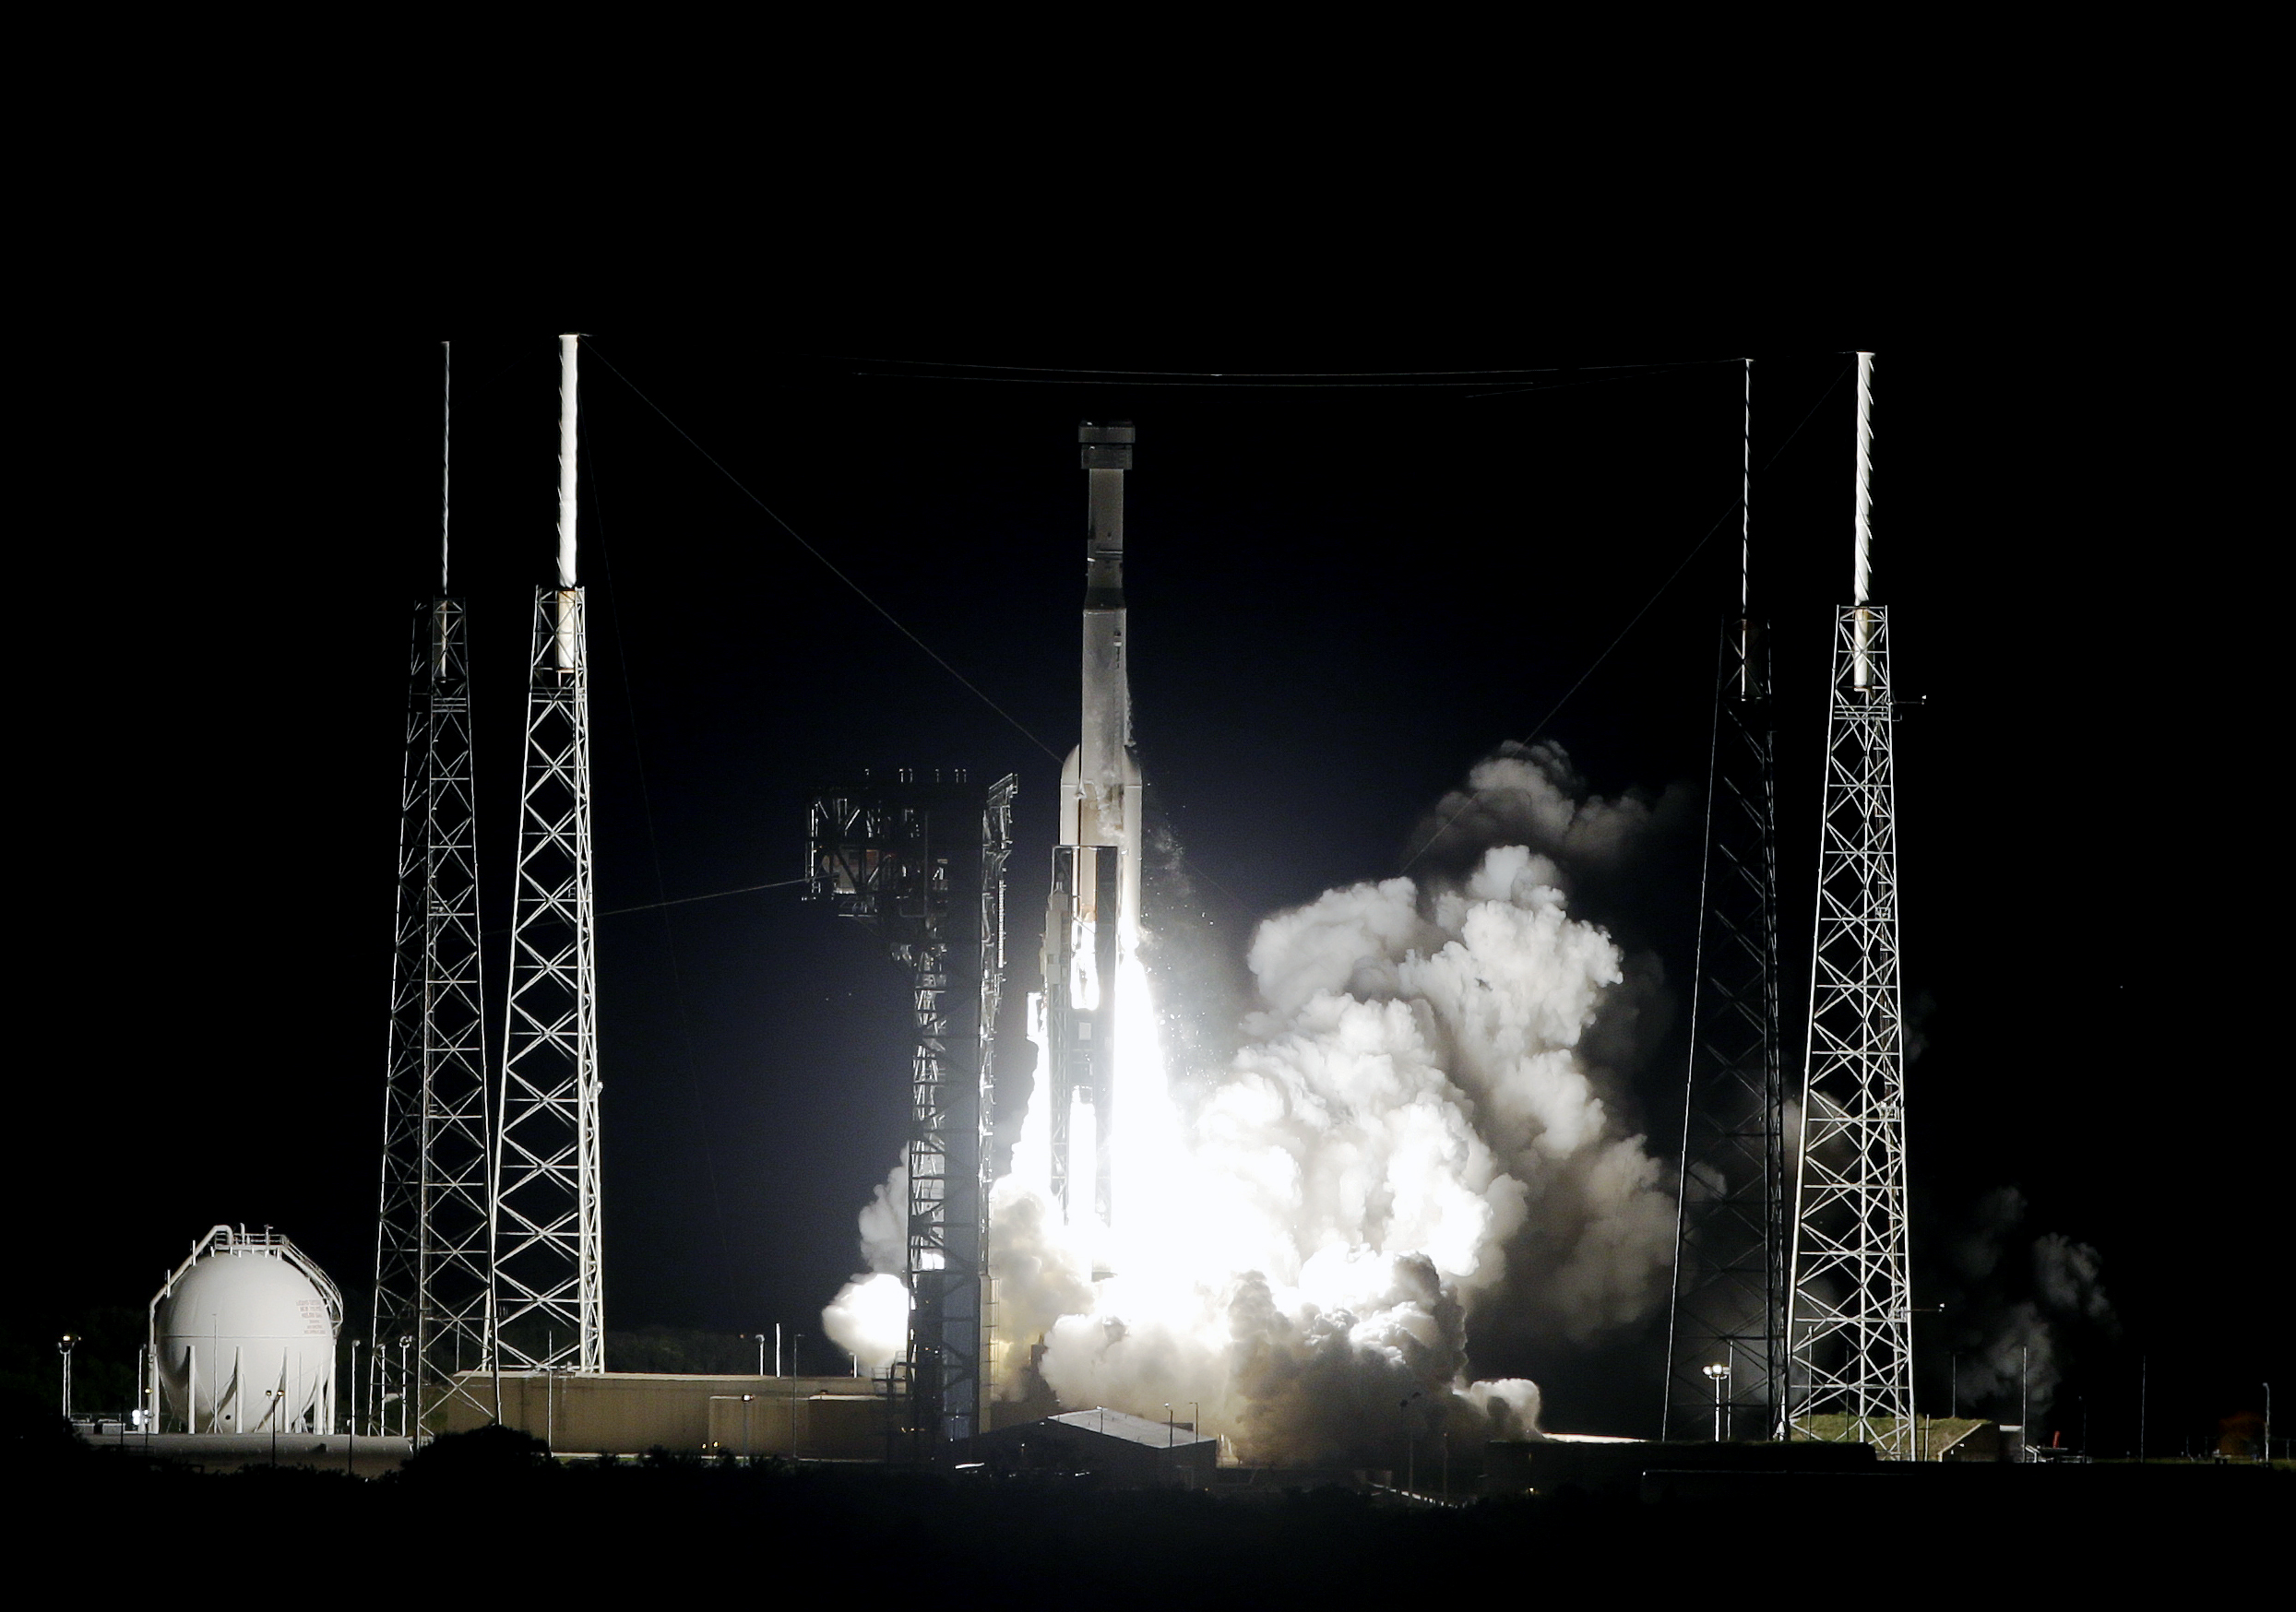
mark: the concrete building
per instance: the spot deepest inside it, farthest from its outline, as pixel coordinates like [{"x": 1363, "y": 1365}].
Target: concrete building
[{"x": 628, "y": 1412}]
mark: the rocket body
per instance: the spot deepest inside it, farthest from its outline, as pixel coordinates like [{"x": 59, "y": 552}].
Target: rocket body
[{"x": 1092, "y": 921}]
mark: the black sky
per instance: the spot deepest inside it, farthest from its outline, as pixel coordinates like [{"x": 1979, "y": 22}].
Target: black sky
[{"x": 1342, "y": 595}]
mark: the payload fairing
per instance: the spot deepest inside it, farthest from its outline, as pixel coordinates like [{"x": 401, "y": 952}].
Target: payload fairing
[{"x": 1092, "y": 922}]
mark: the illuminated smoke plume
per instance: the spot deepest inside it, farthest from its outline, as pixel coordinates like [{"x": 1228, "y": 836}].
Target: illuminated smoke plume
[
  {"x": 869, "y": 1318},
  {"x": 1411, "y": 1132}
]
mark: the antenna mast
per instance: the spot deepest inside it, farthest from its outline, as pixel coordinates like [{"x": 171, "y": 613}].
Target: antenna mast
[
  {"x": 1726, "y": 1353},
  {"x": 550, "y": 1306},
  {"x": 432, "y": 1268},
  {"x": 1852, "y": 1332}
]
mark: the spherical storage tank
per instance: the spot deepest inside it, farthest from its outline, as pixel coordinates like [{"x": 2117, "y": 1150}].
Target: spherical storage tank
[{"x": 244, "y": 1334}]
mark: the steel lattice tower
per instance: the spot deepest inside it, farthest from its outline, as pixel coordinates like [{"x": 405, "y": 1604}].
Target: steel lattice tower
[
  {"x": 1732, "y": 1237},
  {"x": 1852, "y": 1332},
  {"x": 549, "y": 1306},
  {"x": 433, "y": 1265},
  {"x": 922, "y": 864}
]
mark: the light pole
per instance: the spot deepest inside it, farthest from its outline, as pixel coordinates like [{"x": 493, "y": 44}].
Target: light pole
[
  {"x": 1719, "y": 1376},
  {"x": 795, "y": 1339},
  {"x": 1913, "y": 1421},
  {"x": 2025, "y": 1380},
  {"x": 759, "y": 1339},
  {"x": 406, "y": 1391},
  {"x": 63, "y": 1347},
  {"x": 351, "y": 1442},
  {"x": 2267, "y": 1424}
]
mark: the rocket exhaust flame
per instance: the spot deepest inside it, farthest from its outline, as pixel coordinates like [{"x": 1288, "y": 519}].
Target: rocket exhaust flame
[
  {"x": 1411, "y": 1134},
  {"x": 1410, "y": 1137},
  {"x": 1299, "y": 1249}
]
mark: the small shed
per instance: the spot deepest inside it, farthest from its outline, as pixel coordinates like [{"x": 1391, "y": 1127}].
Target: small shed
[{"x": 1122, "y": 1449}]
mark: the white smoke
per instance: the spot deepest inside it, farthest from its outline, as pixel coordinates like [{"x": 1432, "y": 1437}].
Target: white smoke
[
  {"x": 869, "y": 1318},
  {"x": 1410, "y": 1132},
  {"x": 2022, "y": 1348},
  {"x": 2070, "y": 1277},
  {"x": 1531, "y": 795},
  {"x": 885, "y": 1223},
  {"x": 2017, "y": 1367}
]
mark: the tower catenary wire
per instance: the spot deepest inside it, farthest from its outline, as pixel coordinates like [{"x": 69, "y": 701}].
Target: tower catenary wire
[
  {"x": 1726, "y": 1352},
  {"x": 433, "y": 1265}
]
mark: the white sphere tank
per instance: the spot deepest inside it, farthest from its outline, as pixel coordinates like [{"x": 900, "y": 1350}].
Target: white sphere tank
[{"x": 246, "y": 1339}]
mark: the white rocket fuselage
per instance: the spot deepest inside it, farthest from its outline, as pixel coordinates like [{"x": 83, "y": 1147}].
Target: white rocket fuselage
[{"x": 1093, "y": 921}]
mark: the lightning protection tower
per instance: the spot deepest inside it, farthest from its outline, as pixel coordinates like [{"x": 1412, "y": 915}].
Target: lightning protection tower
[
  {"x": 1732, "y": 1237},
  {"x": 549, "y": 1306},
  {"x": 922, "y": 864},
  {"x": 432, "y": 1266},
  {"x": 1851, "y": 1332}
]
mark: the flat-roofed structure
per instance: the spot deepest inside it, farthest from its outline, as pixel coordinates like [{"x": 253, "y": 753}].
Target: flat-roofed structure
[
  {"x": 1133, "y": 1452},
  {"x": 628, "y": 1412}
]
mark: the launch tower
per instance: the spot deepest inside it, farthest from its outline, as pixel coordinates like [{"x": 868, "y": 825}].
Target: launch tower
[
  {"x": 549, "y": 1304},
  {"x": 922, "y": 864},
  {"x": 433, "y": 1264},
  {"x": 1732, "y": 1238},
  {"x": 1093, "y": 916},
  {"x": 1851, "y": 1333}
]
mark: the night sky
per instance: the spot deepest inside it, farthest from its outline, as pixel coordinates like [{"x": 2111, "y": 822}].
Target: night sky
[{"x": 1343, "y": 594}]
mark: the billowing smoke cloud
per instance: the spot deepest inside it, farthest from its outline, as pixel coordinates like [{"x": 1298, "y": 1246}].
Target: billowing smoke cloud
[
  {"x": 2069, "y": 1275},
  {"x": 2017, "y": 1348},
  {"x": 1531, "y": 795},
  {"x": 869, "y": 1318},
  {"x": 1410, "y": 1132}
]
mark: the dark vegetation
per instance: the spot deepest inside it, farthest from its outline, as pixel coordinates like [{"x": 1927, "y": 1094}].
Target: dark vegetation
[{"x": 978, "y": 1539}]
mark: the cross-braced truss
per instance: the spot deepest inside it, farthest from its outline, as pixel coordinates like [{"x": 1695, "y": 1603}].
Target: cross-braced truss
[
  {"x": 1729, "y": 1264},
  {"x": 996, "y": 845},
  {"x": 433, "y": 1265},
  {"x": 549, "y": 1306},
  {"x": 1851, "y": 1332},
  {"x": 923, "y": 865}
]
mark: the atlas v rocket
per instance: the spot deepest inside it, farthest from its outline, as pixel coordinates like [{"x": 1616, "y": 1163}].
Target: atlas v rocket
[{"x": 1093, "y": 918}]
